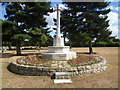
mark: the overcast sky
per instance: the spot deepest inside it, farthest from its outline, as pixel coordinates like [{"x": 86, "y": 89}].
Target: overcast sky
[{"x": 112, "y": 16}]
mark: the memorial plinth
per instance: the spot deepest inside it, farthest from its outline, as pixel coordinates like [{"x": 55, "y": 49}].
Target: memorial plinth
[{"x": 58, "y": 51}]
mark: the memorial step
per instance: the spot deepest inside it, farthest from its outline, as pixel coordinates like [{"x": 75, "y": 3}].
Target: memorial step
[
  {"x": 62, "y": 73},
  {"x": 62, "y": 77},
  {"x": 62, "y": 81}
]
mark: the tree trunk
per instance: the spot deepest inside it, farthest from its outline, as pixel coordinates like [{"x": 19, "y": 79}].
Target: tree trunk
[
  {"x": 70, "y": 45},
  {"x": 64, "y": 39},
  {"x": 64, "y": 36},
  {"x": 2, "y": 50},
  {"x": 90, "y": 47},
  {"x": 9, "y": 47},
  {"x": 18, "y": 51},
  {"x": 38, "y": 48}
]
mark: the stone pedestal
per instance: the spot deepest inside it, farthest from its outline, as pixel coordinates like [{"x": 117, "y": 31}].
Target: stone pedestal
[
  {"x": 58, "y": 49},
  {"x": 58, "y": 41},
  {"x": 59, "y": 56},
  {"x": 60, "y": 52}
]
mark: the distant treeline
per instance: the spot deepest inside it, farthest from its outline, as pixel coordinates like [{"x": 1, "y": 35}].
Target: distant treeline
[{"x": 95, "y": 44}]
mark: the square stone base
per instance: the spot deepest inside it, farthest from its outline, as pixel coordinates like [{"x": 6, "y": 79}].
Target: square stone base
[{"x": 59, "y": 56}]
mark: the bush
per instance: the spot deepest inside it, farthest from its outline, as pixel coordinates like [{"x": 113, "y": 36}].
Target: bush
[
  {"x": 95, "y": 44},
  {"x": 107, "y": 44},
  {"x": 114, "y": 44},
  {"x": 101, "y": 44}
]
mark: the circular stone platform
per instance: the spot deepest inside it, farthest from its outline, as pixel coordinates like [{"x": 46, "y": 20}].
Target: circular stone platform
[{"x": 55, "y": 67}]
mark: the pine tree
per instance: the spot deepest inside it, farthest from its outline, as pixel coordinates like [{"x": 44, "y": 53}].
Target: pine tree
[
  {"x": 8, "y": 29},
  {"x": 27, "y": 16},
  {"x": 85, "y": 21}
]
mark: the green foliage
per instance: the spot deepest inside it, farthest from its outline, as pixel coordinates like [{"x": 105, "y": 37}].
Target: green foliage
[
  {"x": 21, "y": 37},
  {"x": 85, "y": 21},
  {"x": 8, "y": 27},
  {"x": 103, "y": 44},
  {"x": 7, "y": 43},
  {"x": 114, "y": 44},
  {"x": 39, "y": 36},
  {"x": 21, "y": 18},
  {"x": 95, "y": 44},
  {"x": 49, "y": 41},
  {"x": 44, "y": 38},
  {"x": 106, "y": 44},
  {"x": 29, "y": 13},
  {"x": 116, "y": 40},
  {"x": 8, "y": 30},
  {"x": 0, "y": 22},
  {"x": 35, "y": 31}
]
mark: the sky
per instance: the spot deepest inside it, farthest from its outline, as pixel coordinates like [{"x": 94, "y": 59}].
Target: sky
[{"x": 112, "y": 16}]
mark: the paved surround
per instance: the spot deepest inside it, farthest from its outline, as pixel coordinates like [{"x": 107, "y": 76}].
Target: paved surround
[{"x": 58, "y": 66}]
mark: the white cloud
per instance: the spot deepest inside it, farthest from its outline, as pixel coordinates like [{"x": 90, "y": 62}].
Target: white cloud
[
  {"x": 63, "y": 6},
  {"x": 84, "y": 19},
  {"x": 112, "y": 0},
  {"x": 49, "y": 18},
  {"x": 113, "y": 17},
  {"x": 117, "y": 8},
  {"x": 111, "y": 7},
  {"x": 114, "y": 29}
]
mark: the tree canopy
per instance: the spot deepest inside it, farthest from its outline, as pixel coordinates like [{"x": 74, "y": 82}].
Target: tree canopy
[
  {"x": 25, "y": 20},
  {"x": 85, "y": 22}
]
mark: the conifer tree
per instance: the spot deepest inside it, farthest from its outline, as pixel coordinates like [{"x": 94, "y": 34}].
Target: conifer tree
[
  {"x": 27, "y": 16},
  {"x": 85, "y": 21}
]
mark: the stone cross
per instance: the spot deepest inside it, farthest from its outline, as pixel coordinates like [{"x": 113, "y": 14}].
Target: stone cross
[
  {"x": 58, "y": 40},
  {"x": 59, "y": 51},
  {"x": 58, "y": 21}
]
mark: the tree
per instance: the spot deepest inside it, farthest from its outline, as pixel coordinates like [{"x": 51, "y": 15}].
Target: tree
[
  {"x": 85, "y": 22},
  {"x": 26, "y": 16},
  {"x": 39, "y": 35},
  {"x": 8, "y": 29}
]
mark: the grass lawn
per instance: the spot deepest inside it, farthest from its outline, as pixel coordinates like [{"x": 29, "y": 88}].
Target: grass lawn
[{"x": 106, "y": 79}]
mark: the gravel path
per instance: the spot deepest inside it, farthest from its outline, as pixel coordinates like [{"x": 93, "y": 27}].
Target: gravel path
[{"x": 106, "y": 79}]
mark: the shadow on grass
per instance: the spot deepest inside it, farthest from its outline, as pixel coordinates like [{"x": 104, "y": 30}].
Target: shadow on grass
[
  {"x": 27, "y": 51},
  {"x": 85, "y": 53},
  {"x": 53, "y": 76},
  {"x": 28, "y": 54},
  {"x": 9, "y": 55}
]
